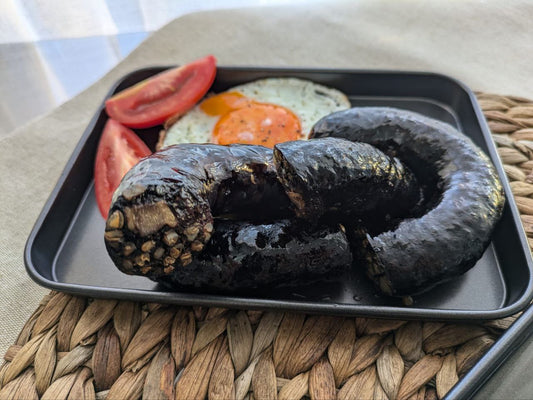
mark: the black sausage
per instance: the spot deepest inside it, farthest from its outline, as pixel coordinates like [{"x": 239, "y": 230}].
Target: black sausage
[
  {"x": 337, "y": 176},
  {"x": 465, "y": 198},
  {"x": 163, "y": 210},
  {"x": 244, "y": 256}
]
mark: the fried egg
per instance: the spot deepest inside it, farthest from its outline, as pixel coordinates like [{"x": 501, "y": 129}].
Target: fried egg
[{"x": 263, "y": 112}]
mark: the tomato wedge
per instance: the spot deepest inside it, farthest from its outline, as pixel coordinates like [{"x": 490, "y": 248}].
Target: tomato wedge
[
  {"x": 169, "y": 93},
  {"x": 119, "y": 149}
]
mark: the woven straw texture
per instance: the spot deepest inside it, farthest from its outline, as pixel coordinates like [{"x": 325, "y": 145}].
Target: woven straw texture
[{"x": 80, "y": 348}]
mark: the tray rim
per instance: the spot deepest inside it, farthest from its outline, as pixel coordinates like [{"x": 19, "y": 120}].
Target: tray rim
[
  {"x": 388, "y": 312},
  {"x": 500, "y": 351}
]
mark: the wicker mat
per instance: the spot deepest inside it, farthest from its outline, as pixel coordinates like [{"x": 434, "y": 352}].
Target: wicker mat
[{"x": 76, "y": 347}]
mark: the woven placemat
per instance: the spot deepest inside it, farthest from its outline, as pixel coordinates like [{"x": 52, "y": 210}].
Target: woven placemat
[{"x": 81, "y": 348}]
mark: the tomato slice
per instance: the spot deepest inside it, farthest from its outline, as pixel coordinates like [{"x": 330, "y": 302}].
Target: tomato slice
[
  {"x": 168, "y": 94},
  {"x": 119, "y": 149}
]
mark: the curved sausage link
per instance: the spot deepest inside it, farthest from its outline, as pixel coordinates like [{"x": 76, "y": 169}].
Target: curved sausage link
[
  {"x": 244, "y": 256},
  {"x": 466, "y": 204},
  {"x": 332, "y": 175},
  {"x": 162, "y": 212}
]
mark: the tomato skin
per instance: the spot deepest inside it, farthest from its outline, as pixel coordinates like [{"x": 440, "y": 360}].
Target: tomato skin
[
  {"x": 119, "y": 149},
  {"x": 167, "y": 94}
]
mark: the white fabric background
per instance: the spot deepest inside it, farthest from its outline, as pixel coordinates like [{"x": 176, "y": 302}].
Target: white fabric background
[
  {"x": 32, "y": 20},
  {"x": 486, "y": 44},
  {"x": 58, "y": 48}
]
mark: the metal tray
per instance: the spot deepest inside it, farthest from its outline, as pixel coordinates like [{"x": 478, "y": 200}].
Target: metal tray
[{"x": 65, "y": 250}]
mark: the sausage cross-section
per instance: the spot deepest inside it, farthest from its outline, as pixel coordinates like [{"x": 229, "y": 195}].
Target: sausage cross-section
[{"x": 162, "y": 211}]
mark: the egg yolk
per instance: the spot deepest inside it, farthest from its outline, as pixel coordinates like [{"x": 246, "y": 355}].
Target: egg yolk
[{"x": 242, "y": 120}]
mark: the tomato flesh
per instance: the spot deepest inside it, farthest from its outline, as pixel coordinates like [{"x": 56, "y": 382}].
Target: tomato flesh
[
  {"x": 119, "y": 149},
  {"x": 168, "y": 94}
]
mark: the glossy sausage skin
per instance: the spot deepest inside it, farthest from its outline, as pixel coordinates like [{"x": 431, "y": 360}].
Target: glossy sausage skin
[
  {"x": 244, "y": 255},
  {"x": 337, "y": 176},
  {"x": 163, "y": 211},
  {"x": 465, "y": 198},
  {"x": 162, "y": 223}
]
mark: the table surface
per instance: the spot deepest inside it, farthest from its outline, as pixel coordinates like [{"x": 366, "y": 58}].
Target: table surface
[{"x": 48, "y": 56}]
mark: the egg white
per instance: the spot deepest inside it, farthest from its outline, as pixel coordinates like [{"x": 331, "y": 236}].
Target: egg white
[{"x": 308, "y": 100}]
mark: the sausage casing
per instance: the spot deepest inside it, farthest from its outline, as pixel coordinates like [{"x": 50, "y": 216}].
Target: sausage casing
[
  {"x": 244, "y": 255},
  {"x": 332, "y": 175},
  {"x": 465, "y": 197}
]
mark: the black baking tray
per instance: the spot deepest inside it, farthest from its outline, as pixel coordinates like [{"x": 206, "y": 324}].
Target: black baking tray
[{"x": 65, "y": 250}]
